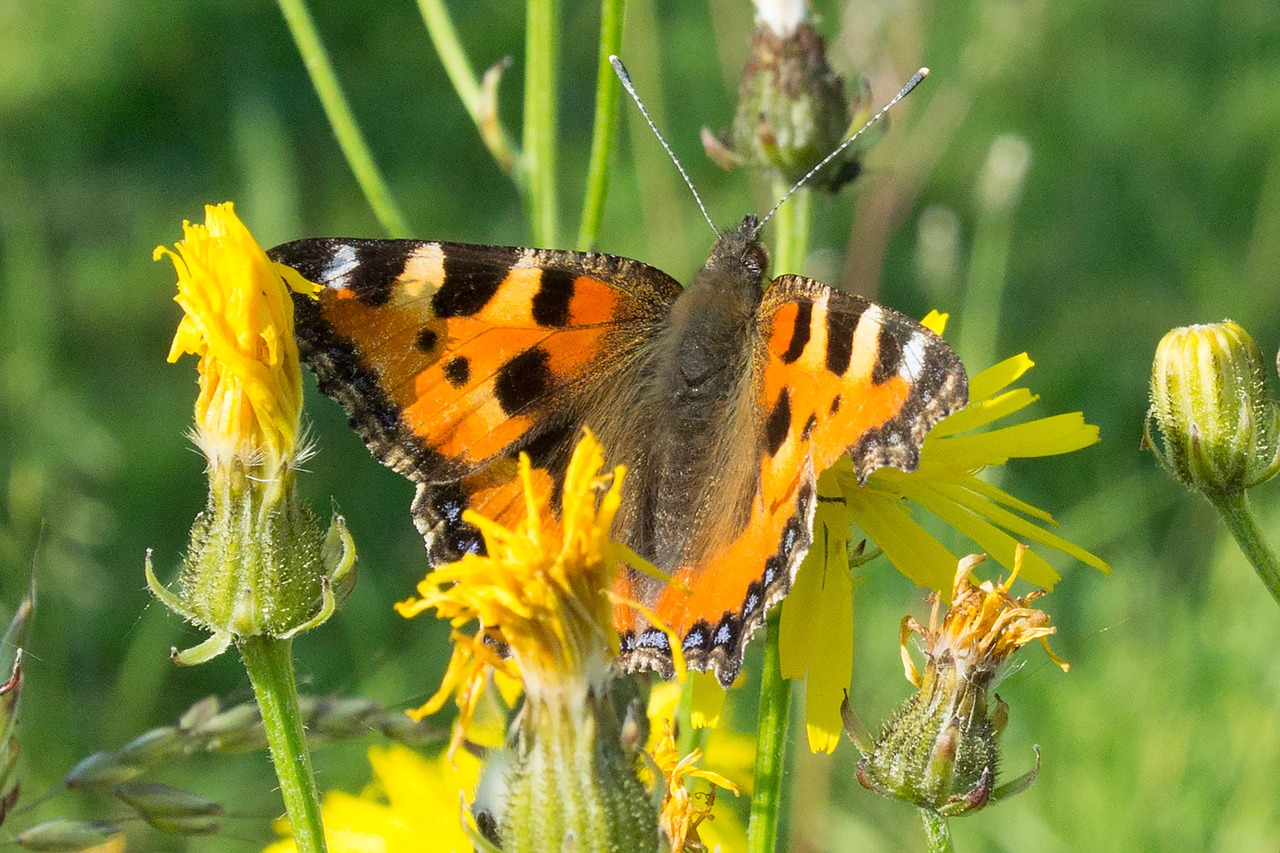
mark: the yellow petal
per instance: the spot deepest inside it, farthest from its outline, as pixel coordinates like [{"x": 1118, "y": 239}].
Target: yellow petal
[
  {"x": 1044, "y": 437},
  {"x": 981, "y": 413},
  {"x": 831, "y": 668},
  {"x": 707, "y": 702},
  {"x": 998, "y": 376},
  {"x": 914, "y": 553}
]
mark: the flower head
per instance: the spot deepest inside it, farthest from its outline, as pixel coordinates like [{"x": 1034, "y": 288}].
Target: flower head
[
  {"x": 947, "y": 485},
  {"x": 239, "y": 320},
  {"x": 684, "y": 810},
  {"x": 1220, "y": 427},
  {"x": 941, "y": 749},
  {"x": 792, "y": 110},
  {"x": 257, "y": 563},
  {"x": 413, "y": 805},
  {"x": 542, "y": 591}
]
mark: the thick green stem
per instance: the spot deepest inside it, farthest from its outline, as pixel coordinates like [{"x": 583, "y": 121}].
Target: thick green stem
[
  {"x": 269, "y": 663},
  {"x": 604, "y": 130},
  {"x": 542, "y": 48},
  {"x": 338, "y": 111},
  {"x": 1244, "y": 527},
  {"x": 771, "y": 745},
  {"x": 937, "y": 832}
]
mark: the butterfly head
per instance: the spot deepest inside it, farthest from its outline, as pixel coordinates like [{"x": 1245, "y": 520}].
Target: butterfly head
[{"x": 738, "y": 256}]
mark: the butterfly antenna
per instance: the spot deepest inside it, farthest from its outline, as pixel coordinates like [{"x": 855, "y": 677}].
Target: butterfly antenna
[
  {"x": 621, "y": 71},
  {"x": 902, "y": 93}
]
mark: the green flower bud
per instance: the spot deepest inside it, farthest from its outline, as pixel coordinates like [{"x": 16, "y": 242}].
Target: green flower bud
[
  {"x": 792, "y": 110},
  {"x": 1217, "y": 421}
]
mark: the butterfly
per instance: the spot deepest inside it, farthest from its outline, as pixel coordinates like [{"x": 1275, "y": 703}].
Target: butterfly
[{"x": 725, "y": 400}]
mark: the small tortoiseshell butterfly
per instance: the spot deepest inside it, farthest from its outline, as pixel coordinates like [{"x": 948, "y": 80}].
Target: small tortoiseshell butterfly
[{"x": 724, "y": 399}]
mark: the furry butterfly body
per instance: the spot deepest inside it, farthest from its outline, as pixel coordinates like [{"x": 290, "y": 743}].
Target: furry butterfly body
[{"x": 725, "y": 400}]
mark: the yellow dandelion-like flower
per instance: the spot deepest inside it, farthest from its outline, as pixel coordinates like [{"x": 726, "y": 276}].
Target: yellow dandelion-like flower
[
  {"x": 413, "y": 805},
  {"x": 258, "y": 563},
  {"x": 239, "y": 320},
  {"x": 946, "y": 485},
  {"x": 683, "y": 811},
  {"x": 543, "y": 589}
]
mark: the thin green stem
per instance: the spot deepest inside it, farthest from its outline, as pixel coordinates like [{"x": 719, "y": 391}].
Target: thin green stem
[
  {"x": 771, "y": 745},
  {"x": 542, "y": 48},
  {"x": 979, "y": 326},
  {"x": 479, "y": 99},
  {"x": 604, "y": 130},
  {"x": 1244, "y": 527},
  {"x": 269, "y": 663},
  {"x": 338, "y": 111},
  {"x": 791, "y": 230},
  {"x": 937, "y": 832}
]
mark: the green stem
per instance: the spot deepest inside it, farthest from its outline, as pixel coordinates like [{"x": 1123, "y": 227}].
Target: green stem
[
  {"x": 604, "y": 130},
  {"x": 269, "y": 663},
  {"x": 937, "y": 832},
  {"x": 338, "y": 111},
  {"x": 771, "y": 745},
  {"x": 977, "y": 338},
  {"x": 791, "y": 230},
  {"x": 791, "y": 245},
  {"x": 542, "y": 47},
  {"x": 1244, "y": 527},
  {"x": 479, "y": 100}
]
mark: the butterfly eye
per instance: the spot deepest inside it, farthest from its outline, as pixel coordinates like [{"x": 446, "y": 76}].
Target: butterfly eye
[{"x": 756, "y": 258}]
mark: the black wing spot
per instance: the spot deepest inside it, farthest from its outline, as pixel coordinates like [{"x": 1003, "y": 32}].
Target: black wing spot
[
  {"x": 799, "y": 333},
  {"x": 888, "y": 355},
  {"x": 522, "y": 380},
  {"x": 458, "y": 371},
  {"x": 470, "y": 282},
  {"x": 840, "y": 329},
  {"x": 426, "y": 340},
  {"x": 779, "y": 423},
  {"x": 551, "y": 302},
  {"x": 809, "y": 426},
  {"x": 835, "y": 404}
]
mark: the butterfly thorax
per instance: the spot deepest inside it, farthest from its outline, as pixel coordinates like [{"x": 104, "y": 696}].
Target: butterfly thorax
[{"x": 697, "y": 476}]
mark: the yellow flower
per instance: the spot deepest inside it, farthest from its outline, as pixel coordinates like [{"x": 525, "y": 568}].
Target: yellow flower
[
  {"x": 239, "y": 321},
  {"x": 258, "y": 563},
  {"x": 982, "y": 628},
  {"x": 683, "y": 811},
  {"x": 947, "y": 485},
  {"x": 414, "y": 805},
  {"x": 542, "y": 589},
  {"x": 543, "y": 593}
]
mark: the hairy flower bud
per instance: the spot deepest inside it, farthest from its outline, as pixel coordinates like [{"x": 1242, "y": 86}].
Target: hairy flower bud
[
  {"x": 792, "y": 110},
  {"x": 1217, "y": 421}
]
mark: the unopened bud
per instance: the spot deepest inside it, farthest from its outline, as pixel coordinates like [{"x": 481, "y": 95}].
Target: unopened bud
[{"x": 1217, "y": 421}]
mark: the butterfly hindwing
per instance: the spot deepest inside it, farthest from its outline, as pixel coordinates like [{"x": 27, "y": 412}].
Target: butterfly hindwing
[
  {"x": 834, "y": 374},
  {"x": 452, "y": 358}
]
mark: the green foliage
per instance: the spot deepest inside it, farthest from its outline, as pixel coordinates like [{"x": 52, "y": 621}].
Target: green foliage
[{"x": 1152, "y": 200}]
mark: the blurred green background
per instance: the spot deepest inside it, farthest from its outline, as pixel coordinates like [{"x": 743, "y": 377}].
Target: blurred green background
[{"x": 1151, "y": 199}]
